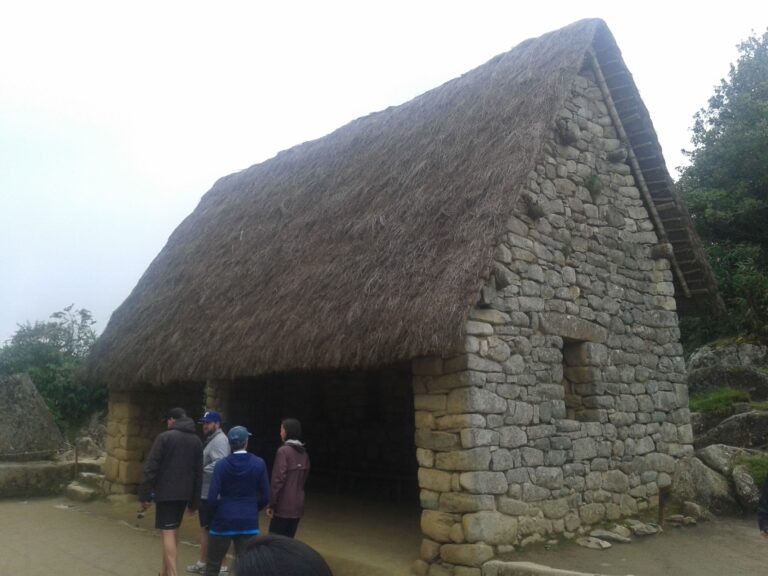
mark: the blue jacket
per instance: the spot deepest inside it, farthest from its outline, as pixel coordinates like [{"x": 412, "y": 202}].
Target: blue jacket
[{"x": 239, "y": 489}]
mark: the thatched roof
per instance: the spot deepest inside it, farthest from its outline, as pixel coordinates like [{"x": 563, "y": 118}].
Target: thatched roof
[{"x": 363, "y": 248}]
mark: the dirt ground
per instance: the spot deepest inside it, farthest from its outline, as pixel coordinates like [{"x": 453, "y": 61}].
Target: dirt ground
[{"x": 49, "y": 536}]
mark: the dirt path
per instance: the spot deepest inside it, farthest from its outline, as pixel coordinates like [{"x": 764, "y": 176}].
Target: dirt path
[
  {"x": 53, "y": 536},
  {"x": 723, "y": 547}
]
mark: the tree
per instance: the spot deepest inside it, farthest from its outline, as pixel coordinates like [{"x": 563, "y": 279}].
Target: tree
[
  {"x": 52, "y": 353},
  {"x": 726, "y": 189}
]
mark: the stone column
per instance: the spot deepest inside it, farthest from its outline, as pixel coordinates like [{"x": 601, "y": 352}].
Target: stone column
[
  {"x": 130, "y": 431},
  {"x": 218, "y": 396}
]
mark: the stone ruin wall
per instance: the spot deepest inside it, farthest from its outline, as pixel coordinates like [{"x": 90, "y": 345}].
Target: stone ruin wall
[{"x": 569, "y": 407}]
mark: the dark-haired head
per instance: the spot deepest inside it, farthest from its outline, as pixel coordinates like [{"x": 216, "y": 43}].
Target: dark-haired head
[
  {"x": 292, "y": 429},
  {"x": 271, "y": 555}
]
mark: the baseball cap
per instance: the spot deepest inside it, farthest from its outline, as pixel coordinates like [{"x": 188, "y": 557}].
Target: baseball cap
[
  {"x": 210, "y": 416},
  {"x": 175, "y": 413},
  {"x": 238, "y": 436}
]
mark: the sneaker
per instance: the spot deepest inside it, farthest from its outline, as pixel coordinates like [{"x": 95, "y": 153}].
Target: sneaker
[{"x": 199, "y": 568}]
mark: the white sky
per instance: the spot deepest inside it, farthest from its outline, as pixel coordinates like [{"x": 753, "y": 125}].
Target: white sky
[{"x": 116, "y": 117}]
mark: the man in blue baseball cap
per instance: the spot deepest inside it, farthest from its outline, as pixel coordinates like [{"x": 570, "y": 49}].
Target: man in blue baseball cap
[
  {"x": 239, "y": 490},
  {"x": 216, "y": 447}
]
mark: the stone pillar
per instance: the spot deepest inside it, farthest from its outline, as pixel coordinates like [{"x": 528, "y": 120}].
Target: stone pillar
[
  {"x": 457, "y": 479},
  {"x": 131, "y": 429},
  {"x": 218, "y": 395},
  {"x": 134, "y": 420}
]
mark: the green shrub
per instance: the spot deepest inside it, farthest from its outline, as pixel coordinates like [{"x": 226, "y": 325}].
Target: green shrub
[
  {"x": 758, "y": 467},
  {"x": 718, "y": 400}
]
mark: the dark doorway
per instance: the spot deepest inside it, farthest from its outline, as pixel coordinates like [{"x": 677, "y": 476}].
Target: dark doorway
[{"x": 358, "y": 427}]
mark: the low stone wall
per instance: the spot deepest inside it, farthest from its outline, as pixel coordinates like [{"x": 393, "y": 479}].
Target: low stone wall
[{"x": 27, "y": 479}]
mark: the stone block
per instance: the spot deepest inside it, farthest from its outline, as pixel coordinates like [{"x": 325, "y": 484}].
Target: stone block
[
  {"x": 615, "y": 481},
  {"x": 476, "y": 328},
  {"x": 484, "y": 482},
  {"x": 423, "y": 419},
  {"x": 429, "y": 550},
  {"x": 473, "y": 437},
  {"x": 474, "y": 459},
  {"x": 592, "y": 513},
  {"x": 453, "y": 380},
  {"x": 111, "y": 468},
  {"x": 425, "y": 458},
  {"x": 489, "y": 316},
  {"x": 584, "y": 449},
  {"x": 431, "y": 440},
  {"x": 512, "y": 437},
  {"x": 572, "y": 327},
  {"x": 548, "y": 477},
  {"x": 459, "y": 421},
  {"x": 554, "y": 509},
  {"x": 435, "y": 480},
  {"x": 466, "y": 554},
  {"x": 437, "y": 525},
  {"x": 429, "y": 402},
  {"x": 476, "y": 400},
  {"x": 461, "y": 502},
  {"x": 429, "y": 500},
  {"x": 490, "y": 528}
]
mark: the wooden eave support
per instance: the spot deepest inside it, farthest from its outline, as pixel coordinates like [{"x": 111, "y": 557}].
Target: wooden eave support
[{"x": 634, "y": 164}]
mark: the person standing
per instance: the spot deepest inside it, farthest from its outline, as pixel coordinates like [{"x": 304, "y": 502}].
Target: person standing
[
  {"x": 172, "y": 478},
  {"x": 289, "y": 474},
  {"x": 239, "y": 490},
  {"x": 762, "y": 510},
  {"x": 215, "y": 448}
]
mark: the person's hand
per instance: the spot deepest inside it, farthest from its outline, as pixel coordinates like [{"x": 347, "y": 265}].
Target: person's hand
[
  {"x": 271, "y": 513},
  {"x": 764, "y": 534},
  {"x": 145, "y": 506}
]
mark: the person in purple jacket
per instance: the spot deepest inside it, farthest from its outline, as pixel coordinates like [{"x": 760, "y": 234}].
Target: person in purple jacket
[
  {"x": 239, "y": 490},
  {"x": 289, "y": 473}
]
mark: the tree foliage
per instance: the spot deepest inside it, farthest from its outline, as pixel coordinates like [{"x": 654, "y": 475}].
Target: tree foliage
[
  {"x": 52, "y": 353},
  {"x": 726, "y": 189}
]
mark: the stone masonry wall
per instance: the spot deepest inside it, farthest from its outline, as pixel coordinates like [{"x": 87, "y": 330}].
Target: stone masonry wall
[
  {"x": 569, "y": 407},
  {"x": 134, "y": 420}
]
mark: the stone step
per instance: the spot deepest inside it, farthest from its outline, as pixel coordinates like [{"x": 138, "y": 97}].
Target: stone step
[
  {"x": 76, "y": 491},
  {"x": 91, "y": 479},
  {"x": 89, "y": 465}
]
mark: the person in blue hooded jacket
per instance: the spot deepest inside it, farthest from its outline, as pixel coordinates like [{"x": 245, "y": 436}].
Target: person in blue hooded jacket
[{"x": 239, "y": 490}]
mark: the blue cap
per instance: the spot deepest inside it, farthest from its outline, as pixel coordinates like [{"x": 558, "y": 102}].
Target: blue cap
[
  {"x": 211, "y": 416},
  {"x": 238, "y": 436}
]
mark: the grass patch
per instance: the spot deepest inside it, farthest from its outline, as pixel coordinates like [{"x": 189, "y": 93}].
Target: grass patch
[
  {"x": 758, "y": 467},
  {"x": 718, "y": 400}
]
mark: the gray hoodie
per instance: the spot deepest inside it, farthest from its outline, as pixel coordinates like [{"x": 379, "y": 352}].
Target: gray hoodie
[{"x": 216, "y": 448}]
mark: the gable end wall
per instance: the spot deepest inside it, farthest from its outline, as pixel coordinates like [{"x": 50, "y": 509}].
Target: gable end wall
[{"x": 570, "y": 406}]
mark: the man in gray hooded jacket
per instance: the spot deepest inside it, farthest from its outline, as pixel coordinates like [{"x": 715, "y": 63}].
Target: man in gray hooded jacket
[{"x": 216, "y": 448}]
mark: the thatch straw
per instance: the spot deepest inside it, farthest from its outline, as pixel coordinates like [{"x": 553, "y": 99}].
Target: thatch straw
[{"x": 363, "y": 248}]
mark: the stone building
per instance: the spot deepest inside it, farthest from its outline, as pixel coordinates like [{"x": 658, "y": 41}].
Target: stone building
[{"x": 476, "y": 291}]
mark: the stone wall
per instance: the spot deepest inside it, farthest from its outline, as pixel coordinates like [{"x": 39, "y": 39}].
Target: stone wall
[
  {"x": 133, "y": 421},
  {"x": 569, "y": 407}
]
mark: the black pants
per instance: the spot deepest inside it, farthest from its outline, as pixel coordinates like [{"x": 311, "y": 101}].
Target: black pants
[
  {"x": 284, "y": 526},
  {"x": 217, "y": 549}
]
